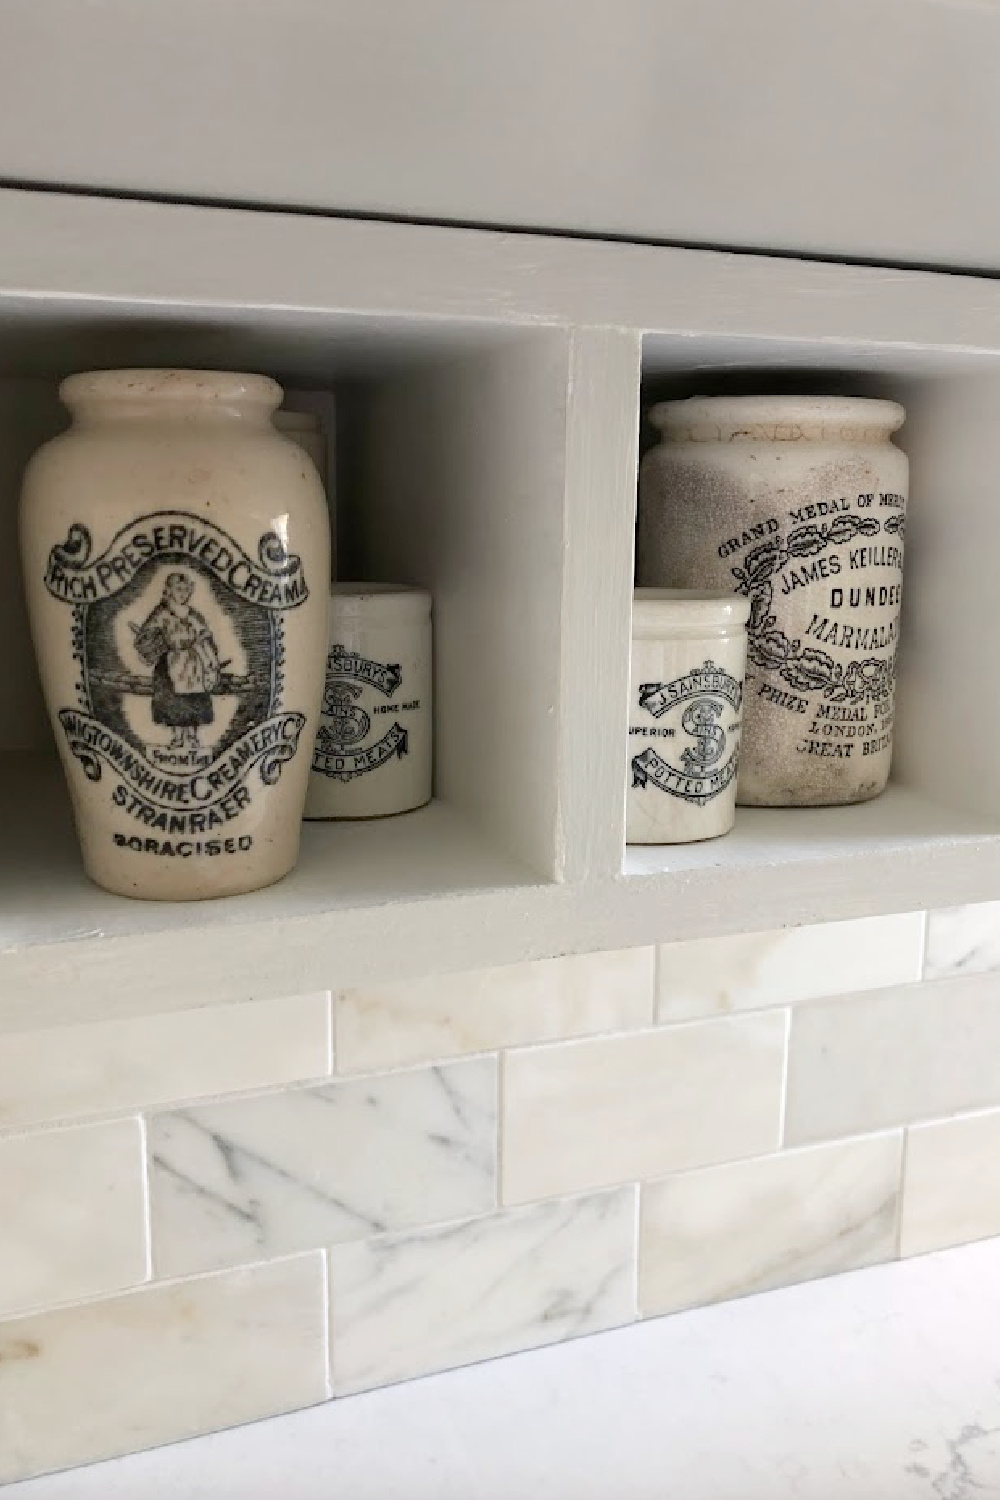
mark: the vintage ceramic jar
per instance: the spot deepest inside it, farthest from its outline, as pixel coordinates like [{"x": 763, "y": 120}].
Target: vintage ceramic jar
[
  {"x": 685, "y": 700},
  {"x": 373, "y": 750},
  {"x": 797, "y": 503},
  {"x": 177, "y": 559}
]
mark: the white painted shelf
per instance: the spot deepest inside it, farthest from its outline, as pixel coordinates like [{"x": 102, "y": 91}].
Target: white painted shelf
[
  {"x": 428, "y": 893},
  {"x": 489, "y": 389}
]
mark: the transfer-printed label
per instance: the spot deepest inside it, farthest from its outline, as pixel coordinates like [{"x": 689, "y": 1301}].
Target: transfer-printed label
[
  {"x": 346, "y": 745},
  {"x": 824, "y": 588},
  {"x": 177, "y": 634},
  {"x": 696, "y": 757}
]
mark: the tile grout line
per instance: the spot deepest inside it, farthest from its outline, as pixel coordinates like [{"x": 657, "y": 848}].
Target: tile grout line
[
  {"x": 785, "y": 1061},
  {"x": 331, "y": 1032},
  {"x": 117, "y": 1114},
  {"x": 151, "y": 1288},
  {"x": 635, "y": 1259},
  {"x": 327, "y": 1319},
  {"x": 924, "y": 925},
  {"x": 654, "y": 1022},
  {"x": 903, "y": 1153},
  {"x": 498, "y": 1195},
  {"x": 147, "y": 1197}
]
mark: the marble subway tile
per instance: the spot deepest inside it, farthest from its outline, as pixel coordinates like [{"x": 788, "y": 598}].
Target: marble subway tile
[
  {"x": 963, "y": 940},
  {"x": 408, "y": 1304},
  {"x": 590, "y": 1114},
  {"x": 71, "y": 1071},
  {"x": 452, "y": 1014},
  {"x": 751, "y": 1225},
  {"x": 257, "y": 1177},
  {"x": 864, "y": 1062},
  {"x": 163, "y": 1363},
  {"x": 715, "y": 976},
  {"x": 72, "y": 1214},
  {"x": 951, "y": 1187}
]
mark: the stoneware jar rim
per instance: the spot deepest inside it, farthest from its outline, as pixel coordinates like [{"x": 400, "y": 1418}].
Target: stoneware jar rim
[
  {"x": 378, "y": 603},
  {"x": 659, "y": 611},
  {"x": 730, "y": 414},
  {"x": 224, "y": 387}
]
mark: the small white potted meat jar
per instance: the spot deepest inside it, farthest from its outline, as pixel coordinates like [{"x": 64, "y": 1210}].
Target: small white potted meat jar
[
  {"x": 373, "y": 749},
  {"x": 685, "y": 704}
]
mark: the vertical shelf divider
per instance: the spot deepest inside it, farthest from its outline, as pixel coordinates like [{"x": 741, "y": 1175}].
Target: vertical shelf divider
[{"x": 602, "y": 441}]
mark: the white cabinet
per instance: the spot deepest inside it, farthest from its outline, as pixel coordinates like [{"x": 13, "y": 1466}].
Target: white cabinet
[
  {"x": 491, "y": 389},
  {"x": 848, "y": 128}
]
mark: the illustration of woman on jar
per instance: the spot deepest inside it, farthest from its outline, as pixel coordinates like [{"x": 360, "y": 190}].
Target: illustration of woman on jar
[{"x": 176, "y": 641}]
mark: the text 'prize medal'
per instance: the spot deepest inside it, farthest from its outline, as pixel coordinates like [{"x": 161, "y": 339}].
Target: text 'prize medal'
[
  {"x": 373, "y": 751},
  {"x": 797, "y": 504},
  {"x": 685, "y": 704},
  {"x": 171, "y": 543}
]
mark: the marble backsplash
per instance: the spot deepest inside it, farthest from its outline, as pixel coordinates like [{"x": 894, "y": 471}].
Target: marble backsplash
[{"x": 225, "y": 1213}]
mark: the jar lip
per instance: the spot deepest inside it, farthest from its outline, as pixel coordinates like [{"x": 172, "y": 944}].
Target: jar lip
[
  {"x": 377, "y": 603},
  {"x": 731, "y": 413},
  {"x": 656, "y": 610},
  {"x": 222, "y": 386}
]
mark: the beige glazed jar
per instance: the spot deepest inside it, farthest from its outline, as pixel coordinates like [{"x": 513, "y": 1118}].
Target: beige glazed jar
[
  {"x": 798, "y": 504},
  {"x": 373, "y": 749},
  {"x": 684, "y": 715},
  {"x": 177, "y": 557}
]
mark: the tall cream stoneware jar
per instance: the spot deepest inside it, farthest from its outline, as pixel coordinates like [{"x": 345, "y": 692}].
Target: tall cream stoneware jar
[
  {"x": 798, "y": 503},
  {"x": 177, "y": 560}
]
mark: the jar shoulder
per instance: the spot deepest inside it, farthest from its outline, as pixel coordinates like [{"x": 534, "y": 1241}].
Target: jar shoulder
[
  {"x": 774, "y": 465},
  {"x": 126, "y": 470}
]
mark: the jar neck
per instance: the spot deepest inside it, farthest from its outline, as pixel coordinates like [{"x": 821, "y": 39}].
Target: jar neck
[
  {"x": 845, "y": 433},
  {"x": 102, "y": 411}
]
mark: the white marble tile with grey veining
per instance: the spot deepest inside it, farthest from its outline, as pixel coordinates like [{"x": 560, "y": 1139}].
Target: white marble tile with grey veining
[
  {"x": 590, "y": 1114},
  {"x": 255, "y": 1177},
  {"x": 162, "y": 1363},
  {"x": 66, "y": 1072},
  {"x": 951, "y": 1189},
  {"x": 865, "y": 1062},
  {"x": 748, "y": 971},
  {"x": 453, "y": 1014},
  {"x": 963, "y": 940},
  {"x": 72, "y": 1214},
  {"x": 772, "y": 1221},
  {"x": 407, "y": 1304}
]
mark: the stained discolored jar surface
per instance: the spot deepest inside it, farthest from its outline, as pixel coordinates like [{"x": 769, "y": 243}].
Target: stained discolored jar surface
[{"x": 798, "y": 504}]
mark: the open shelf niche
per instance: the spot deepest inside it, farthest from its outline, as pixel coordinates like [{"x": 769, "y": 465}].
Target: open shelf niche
[
  {"x": 489, "y": 390},
  {"x": 944, "y": 792},
  {"x": 452, "y": 449}
]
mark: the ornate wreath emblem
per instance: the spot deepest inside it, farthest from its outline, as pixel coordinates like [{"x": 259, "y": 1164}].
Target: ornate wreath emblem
[{"x": 806, "y": 668}]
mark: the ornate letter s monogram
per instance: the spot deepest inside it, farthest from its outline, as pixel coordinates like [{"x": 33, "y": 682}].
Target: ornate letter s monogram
[
  {"x": 345, "y": 726},
  {"x": 706, "y": 701},
  {"x": 710, "y": 741}
]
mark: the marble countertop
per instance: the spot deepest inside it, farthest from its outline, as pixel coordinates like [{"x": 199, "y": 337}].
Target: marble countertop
[{"x": 879, "y": 1385}]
